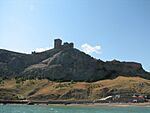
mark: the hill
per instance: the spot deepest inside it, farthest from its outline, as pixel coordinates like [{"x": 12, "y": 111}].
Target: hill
[
  {"x": 64, "y": 63},
  {"x": 43, "y": 90}
]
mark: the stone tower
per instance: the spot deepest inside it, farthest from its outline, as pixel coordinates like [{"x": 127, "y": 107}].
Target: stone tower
[{"x": 57, "y": 43}]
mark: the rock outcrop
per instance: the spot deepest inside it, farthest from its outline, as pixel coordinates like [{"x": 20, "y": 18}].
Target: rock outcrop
[{"x": 65, "y": 63}]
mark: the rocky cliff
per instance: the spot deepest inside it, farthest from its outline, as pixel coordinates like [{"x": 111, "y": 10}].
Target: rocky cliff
[{"x": 65, "y": 63}]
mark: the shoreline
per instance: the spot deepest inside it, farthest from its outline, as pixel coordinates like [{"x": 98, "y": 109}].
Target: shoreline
[
  {"x": 73, "y": 103},
  {"x": 146, "y": 104},
  {"x": 89, "y": 105}
]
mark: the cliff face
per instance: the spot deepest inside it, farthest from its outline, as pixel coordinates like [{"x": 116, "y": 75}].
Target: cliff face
[{"x": 65, "y": 64}]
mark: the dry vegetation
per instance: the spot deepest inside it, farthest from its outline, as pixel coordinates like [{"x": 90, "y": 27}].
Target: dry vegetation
[{"x": 44, "y": 89}]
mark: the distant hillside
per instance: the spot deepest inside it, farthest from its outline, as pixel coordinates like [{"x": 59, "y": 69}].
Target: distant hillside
[
  {"x": 44, "y": 90},
  {"x": 65, "y": 63}
]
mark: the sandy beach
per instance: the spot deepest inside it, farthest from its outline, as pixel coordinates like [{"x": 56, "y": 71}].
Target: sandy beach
[{"x": 147, "y": 104}]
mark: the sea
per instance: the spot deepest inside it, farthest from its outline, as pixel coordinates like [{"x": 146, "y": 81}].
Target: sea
[{"x": 70, "y": 109}]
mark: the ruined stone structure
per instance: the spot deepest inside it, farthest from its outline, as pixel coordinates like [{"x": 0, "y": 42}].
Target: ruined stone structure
[
  {"x": 66, "y": 45},
  {"x": 57, "y": 43}
]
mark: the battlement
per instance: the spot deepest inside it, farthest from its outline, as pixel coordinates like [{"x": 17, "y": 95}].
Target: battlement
[{"x": 66, "y": 45}]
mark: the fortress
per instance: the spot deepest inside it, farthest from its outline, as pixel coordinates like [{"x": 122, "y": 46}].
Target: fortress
[
  {"x": 58, "y": 45},
  {"x": 66, "y": 45}
]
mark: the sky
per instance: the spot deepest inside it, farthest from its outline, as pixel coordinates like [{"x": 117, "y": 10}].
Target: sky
[{"x": 105, "y": 29}]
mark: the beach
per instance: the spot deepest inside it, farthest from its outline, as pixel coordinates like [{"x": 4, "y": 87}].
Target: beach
[{"x": 72, "y": 103}]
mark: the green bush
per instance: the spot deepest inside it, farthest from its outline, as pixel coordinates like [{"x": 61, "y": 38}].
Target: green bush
[
  {"x": 19, "y": 80},
  {"x": 1, "y": 80}
]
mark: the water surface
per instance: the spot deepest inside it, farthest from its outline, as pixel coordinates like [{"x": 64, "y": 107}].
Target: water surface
[{"x": 70, "y": 109}]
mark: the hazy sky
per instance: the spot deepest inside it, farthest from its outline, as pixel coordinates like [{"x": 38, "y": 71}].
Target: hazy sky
[{"x": 106, "y": 29}]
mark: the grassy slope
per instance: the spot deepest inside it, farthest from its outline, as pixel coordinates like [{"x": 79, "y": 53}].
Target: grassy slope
[{"x": 44, "y": 89}]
